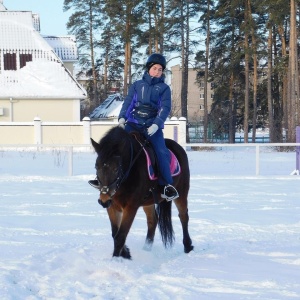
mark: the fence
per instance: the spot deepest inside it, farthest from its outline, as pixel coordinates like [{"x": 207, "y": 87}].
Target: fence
[
  {"x": 254, "y": 162},
  {"x": 257, "y": 151},
  {"x": 72, "y": 133}
]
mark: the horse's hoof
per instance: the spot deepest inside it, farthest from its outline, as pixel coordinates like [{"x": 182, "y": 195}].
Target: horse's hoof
[
  {"x": 147, "y": 247},
  {"x": 125, "y": 252},
  {"x": 188, "y": 249}
]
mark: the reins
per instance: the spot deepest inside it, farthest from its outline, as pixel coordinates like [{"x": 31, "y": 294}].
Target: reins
[{"x": 133, "y": 160}]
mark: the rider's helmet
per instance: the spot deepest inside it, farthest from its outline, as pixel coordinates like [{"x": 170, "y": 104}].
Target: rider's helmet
[{"x": 154, "y": 59}]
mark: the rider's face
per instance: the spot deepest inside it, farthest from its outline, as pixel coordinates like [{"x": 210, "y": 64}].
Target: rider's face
[{"x": 156, "y": 71}]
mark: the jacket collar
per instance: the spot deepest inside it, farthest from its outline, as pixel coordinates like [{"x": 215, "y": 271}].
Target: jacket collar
[{"x": 153, "y": 80}]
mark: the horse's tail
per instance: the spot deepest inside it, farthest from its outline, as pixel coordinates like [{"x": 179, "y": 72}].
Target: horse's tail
[{"x": 164, "y": 213}]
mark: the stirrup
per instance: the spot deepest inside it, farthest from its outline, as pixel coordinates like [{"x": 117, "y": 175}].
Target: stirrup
[
  {"x": 173, "y": 194},
  {"x": 94, "y": 183}
]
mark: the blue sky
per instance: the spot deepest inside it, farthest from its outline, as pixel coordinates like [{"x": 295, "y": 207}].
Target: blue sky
[{"x": 53, "y": 19}]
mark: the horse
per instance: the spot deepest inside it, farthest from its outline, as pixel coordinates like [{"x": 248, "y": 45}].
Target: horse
[{"x": 125, "y": 186}]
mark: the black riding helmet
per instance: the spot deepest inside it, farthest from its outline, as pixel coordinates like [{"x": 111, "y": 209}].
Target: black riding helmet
[{"x": 154, "y": 59}]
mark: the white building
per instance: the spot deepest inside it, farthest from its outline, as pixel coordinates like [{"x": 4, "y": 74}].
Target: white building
[{"x": 36, "y": 72}]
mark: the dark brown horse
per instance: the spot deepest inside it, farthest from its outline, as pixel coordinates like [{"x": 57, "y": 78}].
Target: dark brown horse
[{"x": 125, "y": 186}]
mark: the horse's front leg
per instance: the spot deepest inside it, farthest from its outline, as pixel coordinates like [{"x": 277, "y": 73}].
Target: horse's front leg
[
  {"x": 120, "y": 249},
  {"x": 151, "y": 223},
  {"x": 115, "y": 217}
]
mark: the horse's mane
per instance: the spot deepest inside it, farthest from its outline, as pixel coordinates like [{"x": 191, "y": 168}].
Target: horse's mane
[{"x": 115, "y": 142}]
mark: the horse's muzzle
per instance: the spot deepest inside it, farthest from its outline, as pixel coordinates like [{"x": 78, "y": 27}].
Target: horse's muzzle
[{"x": 105, "y": 204}]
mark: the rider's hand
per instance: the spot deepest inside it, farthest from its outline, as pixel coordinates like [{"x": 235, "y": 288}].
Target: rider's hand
[
  {"x": 122, "y": 123},
  {"x": 152, "y": 129}
]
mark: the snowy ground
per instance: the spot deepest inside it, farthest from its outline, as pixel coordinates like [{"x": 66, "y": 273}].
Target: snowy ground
[{"x": 55, "y": 239}]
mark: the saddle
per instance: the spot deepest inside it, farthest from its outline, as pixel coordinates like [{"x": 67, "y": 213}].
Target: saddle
[
  {"x": 152, "y": 163},
  {"x": 151, "y": 160}
]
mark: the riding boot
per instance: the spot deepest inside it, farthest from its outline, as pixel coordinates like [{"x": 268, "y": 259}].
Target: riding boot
[
  {"x": 169, "y": 192},
  {"x": 94, "y": 183}
]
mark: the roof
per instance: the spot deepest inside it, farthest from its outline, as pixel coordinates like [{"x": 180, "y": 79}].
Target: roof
[
  {"x": 109, "y": 108},
  {"x": 2, "y": 7},
  {"x": 29, "y": 66},
  {"x": 64, "y": 46}
]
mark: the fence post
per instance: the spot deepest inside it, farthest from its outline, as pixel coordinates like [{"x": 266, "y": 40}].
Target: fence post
[
  {"x": 182, "y": 131},
  {"x": 298, "y": 149},
  {"x": 70, "y": 160},
  {"x": 175, "y": 129},
  {"x": 257, "y": 160},
  {"x": 86, "y": 130},
  {"x": 37, "y": 130}
]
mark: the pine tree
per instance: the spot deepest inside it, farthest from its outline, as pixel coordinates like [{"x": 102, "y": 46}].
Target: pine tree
[{"x": 84, "y": 23}]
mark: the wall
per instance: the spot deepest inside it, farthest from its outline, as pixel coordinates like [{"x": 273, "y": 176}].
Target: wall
[
  {"x": 72, "y": 133},
  {"x": 194, "y": 101},
  {"x": 25, "y": 110}
]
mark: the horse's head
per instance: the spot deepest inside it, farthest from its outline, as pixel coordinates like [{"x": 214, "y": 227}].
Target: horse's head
[
  {"x": 108, "y": 170},
  {"x": 109, "y": 175}
]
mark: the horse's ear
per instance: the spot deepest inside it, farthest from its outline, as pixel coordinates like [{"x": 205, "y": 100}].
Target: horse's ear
[{"x": 95, "y": 144}]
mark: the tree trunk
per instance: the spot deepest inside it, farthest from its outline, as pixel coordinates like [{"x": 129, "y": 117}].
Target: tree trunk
[
  {"x": 231, "y": 106},
  {"x": 246, "y": 45},
  {"x": 255, "y": 75},
  {"x": 270, "y": 100},
  {"x": 293, "y": 79},
  {"x": 94, "y": 73},
  {"x": 284, "y": 80},
  {"x": 207, "y": 43}
]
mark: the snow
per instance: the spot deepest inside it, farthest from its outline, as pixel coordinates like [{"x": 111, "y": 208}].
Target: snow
[
  {"x": 44, "y": 75},
  {"x": 55, "y": 239},
  {"x": 44, "y": 79}
]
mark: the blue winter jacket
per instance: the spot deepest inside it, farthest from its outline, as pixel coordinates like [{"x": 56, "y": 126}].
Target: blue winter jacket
[{"x": 149, "y": 97}]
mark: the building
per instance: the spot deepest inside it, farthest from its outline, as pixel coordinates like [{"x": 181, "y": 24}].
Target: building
[
  {"x": 195, "y": 99},
  {"x": 36, "y": 72}
]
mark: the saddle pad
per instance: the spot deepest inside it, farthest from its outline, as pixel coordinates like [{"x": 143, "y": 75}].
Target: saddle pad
[{"x": 174, "y": 165}]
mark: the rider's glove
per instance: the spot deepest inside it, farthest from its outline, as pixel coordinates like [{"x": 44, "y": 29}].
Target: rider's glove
[
  {"x": 122, "y": 123},
  {"x": 152, "y": 129}
]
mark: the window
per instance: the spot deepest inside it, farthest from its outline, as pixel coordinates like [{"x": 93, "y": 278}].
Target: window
[
  {"x": 201, "y": 96},
  {"x": 10, "y": 61},
  {"x": 24, "y": 58},
  {"x": 201, "y": 107}
]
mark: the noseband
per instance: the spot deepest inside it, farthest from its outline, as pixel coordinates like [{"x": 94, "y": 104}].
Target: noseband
[{"x": 116, "y": 182}]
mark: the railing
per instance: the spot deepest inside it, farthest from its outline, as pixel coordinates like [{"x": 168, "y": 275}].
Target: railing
[
  {"x": 88, "y": 148},
  {"x": 257, "y": 147}
]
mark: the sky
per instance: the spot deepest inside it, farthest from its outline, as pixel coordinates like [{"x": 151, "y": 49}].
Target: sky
[
  {"x": 52, "y": 18},
  {"x": 55, "y": 239}
]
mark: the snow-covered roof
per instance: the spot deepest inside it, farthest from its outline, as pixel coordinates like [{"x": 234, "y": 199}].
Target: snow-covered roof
[
  {"x": 64, "y": 46},
  {"x": 109, "y": 108},
  {"x": 17, "y": 31},
  {"x": 2, "y": 7},
  {"x": 29, "y": 67},
  {"x": 40, "y": 79}
]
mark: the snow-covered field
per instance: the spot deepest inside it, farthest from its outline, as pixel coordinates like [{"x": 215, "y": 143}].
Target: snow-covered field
[{"x": 55, "y": 240}]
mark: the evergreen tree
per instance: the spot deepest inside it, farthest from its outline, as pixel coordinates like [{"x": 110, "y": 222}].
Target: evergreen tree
[{"x": 84, "y": 24}]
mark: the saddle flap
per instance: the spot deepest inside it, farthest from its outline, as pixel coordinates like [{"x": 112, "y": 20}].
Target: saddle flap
[{"x": 152, "y": 170}]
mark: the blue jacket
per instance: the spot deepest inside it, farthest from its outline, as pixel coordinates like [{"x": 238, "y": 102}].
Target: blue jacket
[{"x": 149, "y": 92}]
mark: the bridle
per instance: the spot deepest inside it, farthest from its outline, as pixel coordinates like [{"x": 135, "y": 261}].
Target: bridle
[
  {"x": 122, "y": 176},
  {"x": 104, "y": 189}
]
